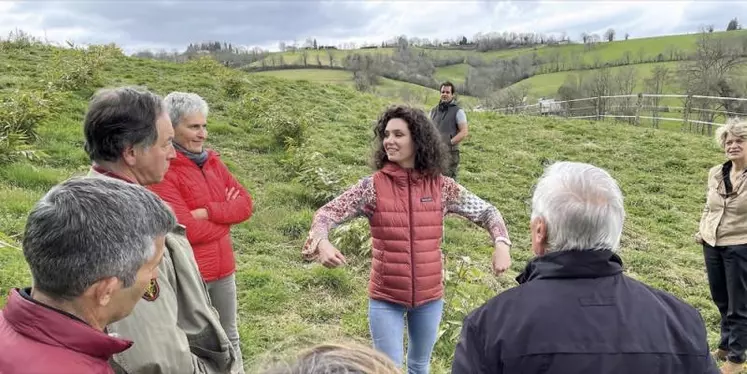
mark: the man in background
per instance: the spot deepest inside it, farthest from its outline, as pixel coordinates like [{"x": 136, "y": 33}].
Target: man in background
[{"x": 451, "y": 121}]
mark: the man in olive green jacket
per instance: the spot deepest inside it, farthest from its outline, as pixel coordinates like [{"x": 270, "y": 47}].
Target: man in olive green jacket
[{"x": 175, "y": 328}]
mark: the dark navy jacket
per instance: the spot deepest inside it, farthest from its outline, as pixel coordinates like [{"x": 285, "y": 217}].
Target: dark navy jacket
[{"x": 575, "y": 312}]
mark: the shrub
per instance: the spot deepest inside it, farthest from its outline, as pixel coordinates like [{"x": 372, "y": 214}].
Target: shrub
[
  {"x": 76, "y": 69},
  {"x": 20, "y": 115},
  {"x": 266, "y": 115},
  {"x": 233, "y": 86}
]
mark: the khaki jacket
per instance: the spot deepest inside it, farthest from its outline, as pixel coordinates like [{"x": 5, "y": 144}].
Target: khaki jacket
[
  {"x": 175, "y": 328},
  {"x": 723, "y": 220}
]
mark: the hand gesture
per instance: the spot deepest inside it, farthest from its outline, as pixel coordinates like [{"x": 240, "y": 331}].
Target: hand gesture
[
  {"x": 501, "y": 258},
  {"x": 329, "y": 256}
]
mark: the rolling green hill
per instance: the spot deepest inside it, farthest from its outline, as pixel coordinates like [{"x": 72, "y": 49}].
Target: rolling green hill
[
  {"x": 641, "y": 53},
  {"x": 403, "y": 91},
  {"x": 647, "y": 48},
  {"x": 286, "y": 304}
]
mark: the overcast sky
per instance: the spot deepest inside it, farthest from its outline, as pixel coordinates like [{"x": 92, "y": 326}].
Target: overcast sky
[{"x": 155, "y": 24}]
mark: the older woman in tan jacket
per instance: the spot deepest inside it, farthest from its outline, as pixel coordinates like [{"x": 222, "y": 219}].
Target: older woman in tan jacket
[{"x": 723, "y": 233}]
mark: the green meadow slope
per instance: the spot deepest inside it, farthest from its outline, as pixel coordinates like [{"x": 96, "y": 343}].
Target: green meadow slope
[
  {"x": 645, "y": 48},
  {"x": 286, "y": 303},
  {"x": 388, "y": 88}
]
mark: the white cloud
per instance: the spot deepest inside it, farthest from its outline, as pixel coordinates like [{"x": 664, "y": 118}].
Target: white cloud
[{"x": 170, "y": 24}]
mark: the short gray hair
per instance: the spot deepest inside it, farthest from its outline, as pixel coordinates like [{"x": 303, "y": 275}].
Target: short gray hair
[
  {"x": 582, "y": 206},
  {"x": 87, "y": 228},
  {"x": 182, "y": 104}
]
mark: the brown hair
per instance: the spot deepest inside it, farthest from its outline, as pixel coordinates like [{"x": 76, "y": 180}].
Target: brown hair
[
  {"x": 449, "y": 84},
  {"x": 351, "y": 358},
  {"x": 431, "y": 157}
]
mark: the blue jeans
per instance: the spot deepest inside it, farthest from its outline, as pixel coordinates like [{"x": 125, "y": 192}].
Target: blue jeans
[{"x": 387, "y": 324}]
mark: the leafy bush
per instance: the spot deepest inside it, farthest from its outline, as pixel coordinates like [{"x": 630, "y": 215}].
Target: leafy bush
[
  {"x": 459, "y": 304},
  {"x": 233, "y": 86},
  {"x": 262, "y": 113},
  {"x": 20, "y": 115},
  {"x": 206, "y": 64},
  {"x": 18, "y": 40},
  {"x": 353, "y": 238},
  {"x": 76, "y": 69},
  {"x": 307, "y": 168}
]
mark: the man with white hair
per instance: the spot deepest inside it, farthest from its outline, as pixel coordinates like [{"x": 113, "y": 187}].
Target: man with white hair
[{"x": 574, "y": 310}]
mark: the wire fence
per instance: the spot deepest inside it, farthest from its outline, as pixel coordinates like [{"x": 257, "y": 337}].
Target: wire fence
[{"x": 691, "y": 113}]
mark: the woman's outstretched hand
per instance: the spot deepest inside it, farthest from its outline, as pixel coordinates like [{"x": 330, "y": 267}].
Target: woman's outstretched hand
[
  {"x": 329, "y": 256},
  {"x": 501, "y": 258}
]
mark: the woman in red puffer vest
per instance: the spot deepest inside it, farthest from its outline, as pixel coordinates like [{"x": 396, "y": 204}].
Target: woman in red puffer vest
[
  {"x": 208, "y": 200},
  {"x": 405, "y": 202}
]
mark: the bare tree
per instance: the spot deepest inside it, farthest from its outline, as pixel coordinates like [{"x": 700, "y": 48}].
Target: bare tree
[
  {"x": 733, "y": 25},
  {"x": 713, "y": 62},
  {"x": 304, "y": 56},
  {"x": 610, "y": 34},
  {"x": 331, "y": 56},
  {"x": 655, "y": 85},
  {"x": 601, "y": 84},
  {"x": 510, "y": 98},
  {"x": 625, "y": 82}
]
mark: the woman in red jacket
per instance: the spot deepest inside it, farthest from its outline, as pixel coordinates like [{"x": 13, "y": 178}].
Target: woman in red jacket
[
  {"x": 405, "y": 202},
  {"x": 207, "y": 199}
]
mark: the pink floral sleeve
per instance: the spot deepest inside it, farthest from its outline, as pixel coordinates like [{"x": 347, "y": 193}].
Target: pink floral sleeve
[
  {"x": 359, "y": 200},
  {"x": 458, "y": 200}
]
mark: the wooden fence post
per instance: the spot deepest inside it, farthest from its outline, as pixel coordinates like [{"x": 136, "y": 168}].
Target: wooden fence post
[
  {"x": 638, "y": 109},
  {"x": 686, "y": 115}
]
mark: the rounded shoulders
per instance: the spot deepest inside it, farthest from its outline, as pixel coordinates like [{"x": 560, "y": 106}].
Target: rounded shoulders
[{"x": 715, "y": 169}]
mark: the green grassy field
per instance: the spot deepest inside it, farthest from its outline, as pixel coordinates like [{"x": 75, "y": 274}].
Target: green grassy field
[
  {"x": 285, "y": 303},
  {"x": 398, "y": 90}
]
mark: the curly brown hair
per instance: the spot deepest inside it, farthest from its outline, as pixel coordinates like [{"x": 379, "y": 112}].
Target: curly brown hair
[{"x": 431, "y": 156}]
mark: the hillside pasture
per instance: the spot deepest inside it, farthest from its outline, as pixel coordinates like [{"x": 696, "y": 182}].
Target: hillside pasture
[{"x": 285, "y": 303}]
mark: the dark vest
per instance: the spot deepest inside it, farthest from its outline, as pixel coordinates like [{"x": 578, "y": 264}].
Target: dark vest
[{"x": 446, "y": 122}]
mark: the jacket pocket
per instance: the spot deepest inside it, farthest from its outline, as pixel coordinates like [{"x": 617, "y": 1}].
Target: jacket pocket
[{"x": 222, "y": 359}]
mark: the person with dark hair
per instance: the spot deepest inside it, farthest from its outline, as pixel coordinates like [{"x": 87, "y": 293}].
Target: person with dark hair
[
  {"x": 451, "y": 122},
  {"x": 92, "y": 245},
  {"x": 175, "y": 327},
  {"x": 405, "y": 201}
]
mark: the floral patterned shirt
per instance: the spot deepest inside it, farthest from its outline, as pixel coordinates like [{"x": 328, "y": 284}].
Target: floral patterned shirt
[{"x": 360, "y": 200}]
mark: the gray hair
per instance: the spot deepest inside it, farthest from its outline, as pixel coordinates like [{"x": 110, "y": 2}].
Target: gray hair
[
  {"x": 182, "y": 104},
  {"x": 582, "y": 206},
  {"x": 118, "y": 118},
  {"x": 86, "y": 228},
  {"x": 733, "y": 126}
]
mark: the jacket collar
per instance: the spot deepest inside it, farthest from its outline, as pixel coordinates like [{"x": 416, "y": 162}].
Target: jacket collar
[
  {"x": 396, "y": 172},
  {"x": 572, "y": 264},
  {"x": 181, "y": 159},
  {"x": 50, "y": 326}
]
